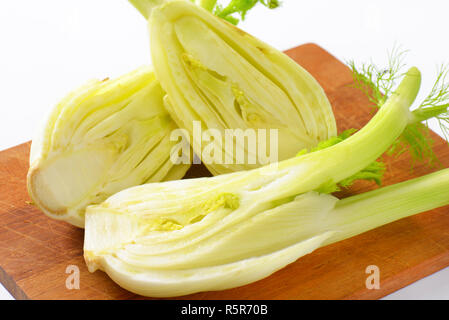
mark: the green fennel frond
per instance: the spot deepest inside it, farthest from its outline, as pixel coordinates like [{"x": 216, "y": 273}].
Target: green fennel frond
[
  {"x": 378, "y": 83},
  {"x": 436, "y": 104},
  {"x": 227, "y": 12},
  {"x": 374, "y": 172},
  {"x": 235, "y": 7}
]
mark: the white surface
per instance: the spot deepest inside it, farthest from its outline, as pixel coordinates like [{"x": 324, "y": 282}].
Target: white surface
[
  {"x": 433, "y": 287},
  {"x": 48, "y": 47},
  {"x": 4, "y": 294}
]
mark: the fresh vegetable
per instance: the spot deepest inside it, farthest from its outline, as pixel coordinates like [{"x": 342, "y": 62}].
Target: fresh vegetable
[
  {"x": 102, "y": 138},
  {"x": 227, "y": 79},
  {"x": 180, "y": 237}
]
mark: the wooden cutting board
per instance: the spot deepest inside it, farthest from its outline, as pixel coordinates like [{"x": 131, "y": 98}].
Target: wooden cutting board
[{"x": 35, "y": 251}]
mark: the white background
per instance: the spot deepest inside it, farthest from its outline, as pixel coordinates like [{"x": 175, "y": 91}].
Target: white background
[{"x": 48, "y": 47}]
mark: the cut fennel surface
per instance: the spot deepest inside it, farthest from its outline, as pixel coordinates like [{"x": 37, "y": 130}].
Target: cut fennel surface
[
  {"x": 227, "y": 79},
  {"x": 102, "y": 138},
  {"x": 180, "y": 237}
]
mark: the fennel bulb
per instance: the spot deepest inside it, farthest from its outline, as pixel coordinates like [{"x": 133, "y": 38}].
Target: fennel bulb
[
  {"x": 101, "y": 138},
  {"x": 180, "y": 237},
  {"x": 224, "y": 78}
]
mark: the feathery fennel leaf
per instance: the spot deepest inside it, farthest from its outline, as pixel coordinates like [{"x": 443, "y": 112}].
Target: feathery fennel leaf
[
  {"x": 378, "y": 83},
  {"x": 436, "y": 104}
]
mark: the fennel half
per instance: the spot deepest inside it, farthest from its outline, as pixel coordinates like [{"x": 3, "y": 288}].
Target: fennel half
[
  {"x": 180, "y": 237},
  {"x": 222, "y": 77},
  {"x": 102, "y": 138}
]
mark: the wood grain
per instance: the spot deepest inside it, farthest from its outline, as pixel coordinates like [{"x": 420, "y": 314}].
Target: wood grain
[{"x": 35, "y": 250}]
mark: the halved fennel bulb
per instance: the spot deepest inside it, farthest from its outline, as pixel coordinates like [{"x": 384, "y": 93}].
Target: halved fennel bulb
[
  {"x": 224, "y": 78},
  {"x": 102, "y": 138},
  {"x": 179, "y": 237},
  {"x": 178, "y": 246}
]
